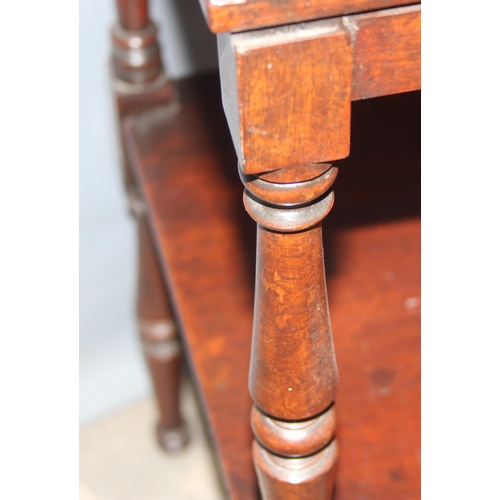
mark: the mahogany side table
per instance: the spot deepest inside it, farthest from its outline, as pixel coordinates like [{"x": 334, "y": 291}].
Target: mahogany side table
[{"x": 289, "y": 71}]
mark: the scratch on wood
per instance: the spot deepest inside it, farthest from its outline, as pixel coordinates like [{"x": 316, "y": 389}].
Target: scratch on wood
[{"x": 255, "y": 130}]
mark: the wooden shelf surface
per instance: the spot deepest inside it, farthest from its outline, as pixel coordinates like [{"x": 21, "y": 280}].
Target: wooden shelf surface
[{"x": 186, "y": 166}]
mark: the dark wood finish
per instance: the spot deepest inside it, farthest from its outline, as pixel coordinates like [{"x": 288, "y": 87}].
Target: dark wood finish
[
  {"x": 287, "y": 91},
  {"x": 203, "y": 235},
  {"x": 295, "y": 174},
  {"x": 160, "y": 341},
  {"x": 228, "y": 15},
  {"x": 140, "y": 86},
  {"x": 293, "y": 373},
  {"x": 161, "y": 101},
  {"x": 136, "y": 61},
  {"x": 289, "y": 194},
  {"x": 286, "y": 94},
  {"x": 134, "y": 91},
  {"x": 186, "y": 170},
  {"x": 386, "y": 48},
  {"x": 133, "y": 14}
]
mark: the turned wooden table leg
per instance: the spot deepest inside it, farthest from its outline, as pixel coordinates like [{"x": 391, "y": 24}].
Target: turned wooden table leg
[
  {"x": 159, "y": 338},
  {"x": 140, "y": 84},
  {"x": 136, "y": 58},
  {"x": 293, "y": 372},
  {"x": 287, "y": 98},
  {"x": 138, "y": 77}
]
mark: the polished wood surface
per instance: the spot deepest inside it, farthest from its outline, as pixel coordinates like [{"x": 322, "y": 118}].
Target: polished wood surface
[
  {"x": 287, "y": 91},
  {"x": 186, "y": 169},
  {"x": 386, "y": 52},
  {"x": 287, "y": 95},
  {"x": 140, "y": 84},
  {"x": 293, "y": 373},
  {"x": 160, "y": 341},
  {"x": 228, "y": 15},
  {"x": 280, "y": 91}
]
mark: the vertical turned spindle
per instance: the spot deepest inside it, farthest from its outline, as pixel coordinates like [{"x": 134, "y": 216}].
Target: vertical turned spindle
[
  {"x": 138, "y": 78},
  {"x": 133, "y": 14},
  {"x": 141, "y": 85},
  {"x": 293, "y": 372},
  {"x": 136, "y": 56},
  {"x": 159, "y": 337}
]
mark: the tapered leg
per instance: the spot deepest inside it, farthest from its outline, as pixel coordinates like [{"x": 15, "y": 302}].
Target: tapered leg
[
  {"x": 293, "y": 372},
  {"x": 141, "y": 85},
  {"x": 160, "y": 341}
]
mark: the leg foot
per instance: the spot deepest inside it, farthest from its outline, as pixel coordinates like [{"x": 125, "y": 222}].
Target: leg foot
[
  {"x": 160, "y": 342},
  {"x": 172, "y": 440}
]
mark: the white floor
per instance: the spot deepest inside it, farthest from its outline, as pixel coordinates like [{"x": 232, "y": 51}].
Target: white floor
[{"x": 120, "y": 460}]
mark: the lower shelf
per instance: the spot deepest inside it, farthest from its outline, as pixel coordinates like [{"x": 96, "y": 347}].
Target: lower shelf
[{"x": 186, "y": 167}]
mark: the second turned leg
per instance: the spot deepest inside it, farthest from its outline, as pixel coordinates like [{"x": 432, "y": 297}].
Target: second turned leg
[
  {"x": 141, "y": 84},
  {"x": 293, "y": 372},
  {"x": 160, "y": 341}
]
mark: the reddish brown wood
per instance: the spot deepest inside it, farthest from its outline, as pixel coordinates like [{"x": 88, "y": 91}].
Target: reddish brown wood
[
  {"x": 296, "y": 478},
  {"x": 206, "y": 241},
  {"x": 136, "y": 58},
  {"x": 199, "y": 219},
  {"x": 292, "y": 193},
  {"x": 160, "y": 341},
  {"x": 300, "y": 173},
  {"x": 293, "y": 372},
  {"x": 287, "y": 91},
  {"x": 287, "y": 95},
  {"x": 228, "y": 15},
  {"x": 161, "y": 101},
  {"x": 141, "y": 86},
  {"x": 386, "y": 48},
  {"x": 133, "y": 14},
  {"x": 294, "y": 439}
]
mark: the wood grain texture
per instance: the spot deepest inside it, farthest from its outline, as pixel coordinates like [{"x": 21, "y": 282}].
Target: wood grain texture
[
  {"x": 152, "y": 298},
  {"x": 287, "y": 91},
  {"x": 186, "y": 167},
  {"x": 386, "y": 48},
  {"x": 230, "y": 15},
  {"x": 293, "y": 374},
  {"x": 287, "y": 95}
]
